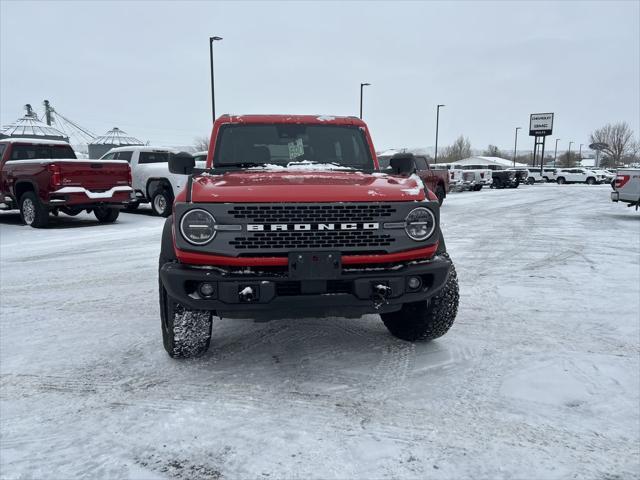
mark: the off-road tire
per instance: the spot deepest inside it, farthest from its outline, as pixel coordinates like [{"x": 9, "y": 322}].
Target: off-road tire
[
  {"x": 106, "y": 214},
  {"x": 185, "y": 333},
  {"x": 32, "y": 211},
  {"x": 162, "y": 202},
  {"x": 428, "y": 320},
  {"x": 441, "y": 194},
  {"x": 561, "y": 180}
]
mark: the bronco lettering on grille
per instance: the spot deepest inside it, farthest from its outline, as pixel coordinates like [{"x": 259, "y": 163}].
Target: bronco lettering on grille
[{"x": 283, "y": 227}]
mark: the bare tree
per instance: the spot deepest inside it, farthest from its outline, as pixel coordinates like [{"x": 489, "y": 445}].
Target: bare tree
[
  {"x": 201, "y": 143},
  {"x": 618, "y": 138},
  {"x": 568, "y": 159},
  {"x": 460, "y": 149},
  {"x": 492, "y": 151}
]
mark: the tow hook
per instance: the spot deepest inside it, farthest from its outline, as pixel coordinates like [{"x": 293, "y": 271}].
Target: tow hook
[
  {"x": 380, "y": 296},
  {"x": 246, "y": 295}
]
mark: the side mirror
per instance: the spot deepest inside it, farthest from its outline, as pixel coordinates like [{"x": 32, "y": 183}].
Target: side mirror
[
  {"x": 182, "y": 163},
  {"x": 403, "y": 163}
]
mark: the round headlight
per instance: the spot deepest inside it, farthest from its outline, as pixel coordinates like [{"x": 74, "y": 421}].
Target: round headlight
[
  {"x": 197, "y": 226},
  {"x": 420, "y": 224}
]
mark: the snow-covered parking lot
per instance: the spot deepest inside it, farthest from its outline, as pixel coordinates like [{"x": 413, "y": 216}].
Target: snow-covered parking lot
[{"x": 539, "y": 377}]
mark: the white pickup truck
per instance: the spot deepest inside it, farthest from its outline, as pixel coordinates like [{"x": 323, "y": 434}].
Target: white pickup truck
[
  {"x": 152, "y": 181},
  {"x": 626, "y": 187}
]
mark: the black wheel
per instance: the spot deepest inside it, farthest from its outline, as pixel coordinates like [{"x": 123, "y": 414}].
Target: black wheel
[
  {"x": 32, "y": 211},
  {"x": 477, "y": 188},
  {"x": 132, "y": 206},
  {"x": 185, "y": 333},
  {"x": 591, "y": 181},
  {"x": 423, "y": 321},
  {"x": 531, "y": 181},
  {"x": 440, "y": 193},
  {"x": 162, "y": 202},
  {"x": 561, "y": 180},
  {"x": 106, "y": 214}
]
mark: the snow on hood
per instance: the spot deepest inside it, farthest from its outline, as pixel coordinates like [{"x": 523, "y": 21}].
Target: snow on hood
[
  {"x": 288, "y": 185},
  {"x": 304, "y": 165}
]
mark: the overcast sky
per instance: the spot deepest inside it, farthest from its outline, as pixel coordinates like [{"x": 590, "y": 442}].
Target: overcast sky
[{"x": 144, "y": 66}]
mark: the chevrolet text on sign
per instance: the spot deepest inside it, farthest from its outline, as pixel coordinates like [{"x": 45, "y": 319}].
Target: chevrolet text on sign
[{"x": 541, "y": 124}]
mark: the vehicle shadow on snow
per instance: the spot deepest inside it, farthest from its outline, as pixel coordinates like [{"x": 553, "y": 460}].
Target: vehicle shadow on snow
[
  {"x": 62, "y": 221},
  {"x": 143, "y": 212},
  {"x": 632, "y": 217},
  {"x": 327, "y": 351}
]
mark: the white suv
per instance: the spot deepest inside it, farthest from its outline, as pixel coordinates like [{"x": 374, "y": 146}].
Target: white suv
[
  {"x": 152, "y": 181},
  {"x": 578, "y": 175}
]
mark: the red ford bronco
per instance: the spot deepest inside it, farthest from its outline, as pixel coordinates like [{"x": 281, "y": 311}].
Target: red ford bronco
[
  {"x": 41, "y": 176},
  {"x": 292, "y": 217}
]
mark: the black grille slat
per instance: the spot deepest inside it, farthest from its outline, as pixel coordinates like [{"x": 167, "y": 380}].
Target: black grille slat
[
  {"x": 312, "y": 213},
  {"x": 313, "y": 239}
]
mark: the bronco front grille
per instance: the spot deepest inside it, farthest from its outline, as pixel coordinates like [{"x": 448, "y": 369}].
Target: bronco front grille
[
  {"x": 333, "y": 239},
  {"x": 312, "y": 213}
]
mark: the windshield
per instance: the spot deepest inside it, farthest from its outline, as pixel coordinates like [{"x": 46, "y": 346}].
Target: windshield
[{"x": 291, "y": 146}]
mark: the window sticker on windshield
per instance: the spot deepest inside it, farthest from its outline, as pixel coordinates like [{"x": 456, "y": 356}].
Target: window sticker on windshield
[{"x": 296, "y": 149}]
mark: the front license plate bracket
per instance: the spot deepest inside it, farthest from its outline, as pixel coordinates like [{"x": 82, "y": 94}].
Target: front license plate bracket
[{"x": 314, "y": 265}]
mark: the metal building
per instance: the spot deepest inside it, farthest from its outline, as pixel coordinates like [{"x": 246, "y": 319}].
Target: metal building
[
  {"x": 112, "y": 139},
  {"x": 30, "y": 127}
]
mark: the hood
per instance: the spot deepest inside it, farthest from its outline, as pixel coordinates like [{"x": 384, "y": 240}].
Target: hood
[{"x": 300, "y": 186}]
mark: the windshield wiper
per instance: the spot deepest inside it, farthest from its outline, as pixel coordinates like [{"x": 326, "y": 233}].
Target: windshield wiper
[{"x": 240, "y": 165}]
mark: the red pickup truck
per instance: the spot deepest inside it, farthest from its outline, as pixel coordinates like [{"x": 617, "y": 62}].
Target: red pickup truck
[
  {"x": 435, "y": 180},
  {"x": 44, "y": 176},
  {"x": 292, "y": 217}
]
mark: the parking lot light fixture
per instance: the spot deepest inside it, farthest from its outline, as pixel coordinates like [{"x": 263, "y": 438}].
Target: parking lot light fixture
[
  {"x": 515, "y": 147},
  {"x": 435, "y": 159},
  {"x": 213, "y": 98},
  {"x": 569, "y": 154},
  {"x": 362, "y": 85}
]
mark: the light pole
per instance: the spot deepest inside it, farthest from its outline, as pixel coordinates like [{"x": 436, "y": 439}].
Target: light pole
[
  {"x": 362, "y": 85},
  {"x": 555, "y": 153},
  {"x": 435, "y": 159},
  {"x": 580, "y": 154},
  {"x": 213, "y": 98},
  {"x": 515, "y": 147},
  {"x": 569, "y": 155}
]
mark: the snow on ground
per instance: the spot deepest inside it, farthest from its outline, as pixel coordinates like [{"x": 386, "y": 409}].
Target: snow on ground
[{"x": 538, "y": 378}]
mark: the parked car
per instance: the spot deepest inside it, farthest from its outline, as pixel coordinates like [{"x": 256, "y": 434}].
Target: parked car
[
  {"x": 505, "y": 179},
  {"x": 294, "y": 220},
  {"x": 482, "y": 175},
  {"x": 535, "y": 176},
  {"x": 522, "y": 173},
  {"x": 435, "y": 180},
  {"x": 578, "y": 175},
  {"x": 458, "y": 179},
  {"x": 40, "y": 177},
  {"x": 626, "y": 187},
  {"x": 607, "y": 177},
  {"x": 549, "y": 174},
  {"x": 152, "y": 181}
]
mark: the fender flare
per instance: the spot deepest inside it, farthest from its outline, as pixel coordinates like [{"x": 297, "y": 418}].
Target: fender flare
[{"x": 159, "y": 180}]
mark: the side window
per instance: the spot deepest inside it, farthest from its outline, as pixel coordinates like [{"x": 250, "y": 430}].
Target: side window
[
  {"x": 124, "y": 156},
  {"x": 3, "y": 147},
  {"x": 153, "y": 157},
  {"x": 109, "y": 156},
  {"x": 421, "y": 163}
]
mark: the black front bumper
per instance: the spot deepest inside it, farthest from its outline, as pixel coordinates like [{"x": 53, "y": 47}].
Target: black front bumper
[{"x": 276, "y": 295}]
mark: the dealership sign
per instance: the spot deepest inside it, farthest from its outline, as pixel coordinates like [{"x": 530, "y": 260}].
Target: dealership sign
[{"x": 540, "y": 124}]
